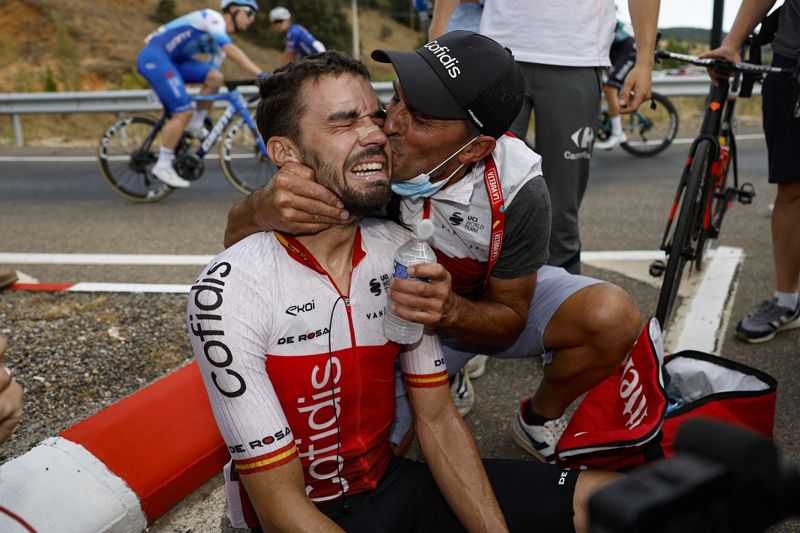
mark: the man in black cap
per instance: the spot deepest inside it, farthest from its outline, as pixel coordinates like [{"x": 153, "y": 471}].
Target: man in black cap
[{"x": 490, "y": 291}]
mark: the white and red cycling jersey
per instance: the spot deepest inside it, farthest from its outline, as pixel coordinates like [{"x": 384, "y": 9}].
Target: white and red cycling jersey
[
  {"x": 295, "y": 368},
  {"x": 495, "y": 219}
]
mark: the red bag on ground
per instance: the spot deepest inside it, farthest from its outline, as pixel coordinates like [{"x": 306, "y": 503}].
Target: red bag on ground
[
  {"x": 632, "y": 418},
  {"x": 616, "y": 420},
  {"x": 716, "y": 387}
]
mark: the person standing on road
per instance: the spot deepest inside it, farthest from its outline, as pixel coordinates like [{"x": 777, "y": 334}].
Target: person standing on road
[
  {"x": 780, "y": 95},
  {"x": 167, "y": 63},
  {"x": 299, "y": 41},
  {"x": 288, "y": 338},
  {"x": 490, "y": 292},
  {"x": 561, "y": 47}
]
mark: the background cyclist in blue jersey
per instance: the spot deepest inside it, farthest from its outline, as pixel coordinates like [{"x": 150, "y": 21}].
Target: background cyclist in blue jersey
[
  {"x": 168, "y": 62},
  {"x": 623, "y": 59},
  {"x": 299, "y": 41}
]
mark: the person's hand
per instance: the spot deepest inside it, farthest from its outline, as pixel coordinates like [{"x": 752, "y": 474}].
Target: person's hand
[
  {"x": 725, "y": 51},
  {"x": 10, "y": 398},
  {"x": 294, "y": 202},
  {"x": 636, "y": 89},
  {"x": 428, "y": 303}
]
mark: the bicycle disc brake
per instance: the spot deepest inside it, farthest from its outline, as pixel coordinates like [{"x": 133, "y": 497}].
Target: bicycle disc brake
[{"x": 189, "y": 166}]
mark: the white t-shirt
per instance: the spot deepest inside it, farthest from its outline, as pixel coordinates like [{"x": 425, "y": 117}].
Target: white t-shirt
[{"x": 575, "y": 33}]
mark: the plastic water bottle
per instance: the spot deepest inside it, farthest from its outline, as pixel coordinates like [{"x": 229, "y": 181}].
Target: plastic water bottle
[{"x": 415, "y": 250}]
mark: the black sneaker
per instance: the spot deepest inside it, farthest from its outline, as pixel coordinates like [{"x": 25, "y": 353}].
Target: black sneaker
[{"x": 766, "y": 321}]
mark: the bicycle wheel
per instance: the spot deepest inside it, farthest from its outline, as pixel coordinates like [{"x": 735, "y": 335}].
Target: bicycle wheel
[
  {"x": 126, "y": 154},
  {"x": 687, "y": 232},
  {"x": 241, "y": 159},
  {"x": 650, "y": 131}
]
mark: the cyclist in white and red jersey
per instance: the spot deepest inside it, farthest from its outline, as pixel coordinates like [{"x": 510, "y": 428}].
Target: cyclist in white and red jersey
[
  {"x": 299, "y": 41},
  {"x": 490, "y": 292},
  {"x": 288, "y": 335},
  {"x": 168, "y": 62}
]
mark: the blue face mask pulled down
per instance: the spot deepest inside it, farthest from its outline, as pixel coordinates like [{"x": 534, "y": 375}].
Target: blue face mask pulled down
[{"x": 421, "y": 186}]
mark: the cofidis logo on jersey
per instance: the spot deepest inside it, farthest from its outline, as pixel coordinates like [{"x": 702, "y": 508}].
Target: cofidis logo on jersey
[{"x": 448, "y": 61}]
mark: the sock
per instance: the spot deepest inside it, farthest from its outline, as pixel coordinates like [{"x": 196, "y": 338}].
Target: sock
[
  {"x": 530, "y": 417},
  {"x": 165, "y": 157},
  {"x": 616, "y": 125},
  {"x": 198, "y": 119},
  {"x": 786, "y": 299}
]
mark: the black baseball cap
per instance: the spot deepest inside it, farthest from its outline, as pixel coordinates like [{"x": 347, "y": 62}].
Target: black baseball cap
[{"x": 461, "y": 75}]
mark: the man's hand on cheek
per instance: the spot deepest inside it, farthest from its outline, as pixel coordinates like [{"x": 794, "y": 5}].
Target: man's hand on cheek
[
  {"x": 295, "y": 203},
  {"x": 429, "y": 303}
]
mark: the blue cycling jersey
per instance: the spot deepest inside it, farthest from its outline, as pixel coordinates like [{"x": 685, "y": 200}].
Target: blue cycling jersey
[
  {"x": 199, "y": 32},
  {"x": 300, "y": 41}
]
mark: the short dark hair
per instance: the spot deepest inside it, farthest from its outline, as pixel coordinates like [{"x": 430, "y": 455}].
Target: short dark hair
[{"x": 281, "y": 106}]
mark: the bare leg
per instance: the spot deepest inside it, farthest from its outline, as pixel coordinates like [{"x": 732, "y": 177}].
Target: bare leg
[
  {"x": 173, "y": 129},
  {"x": 786, "y": 238},
  {"x": 591, "y": 333},
  {"x": 612, "y": 99},
  {"x": 211, "y": 85},
  {"x": 589, "y": 482}
]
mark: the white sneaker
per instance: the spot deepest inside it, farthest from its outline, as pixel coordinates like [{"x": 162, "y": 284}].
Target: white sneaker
[
  {"x": 476, "y": 366},
  {"x": 197, "y": 133},
  {"x": 611, "y": 142},
  {"x": 463, "y": 393},
  {"x": 170, "y": 177},
  {"x": 539, "y": 441}
]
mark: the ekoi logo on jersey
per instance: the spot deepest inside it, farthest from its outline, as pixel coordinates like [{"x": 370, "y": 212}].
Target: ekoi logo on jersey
[{"x": 291, "y": 339}]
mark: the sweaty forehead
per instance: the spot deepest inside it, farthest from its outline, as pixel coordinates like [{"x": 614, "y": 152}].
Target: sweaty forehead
[{"x": 332, "y": 98}]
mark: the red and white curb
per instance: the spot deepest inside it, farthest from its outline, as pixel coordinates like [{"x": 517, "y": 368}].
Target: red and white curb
[
  {"x": 120, "y": 468},
  {"x": 102, "y": 287}
]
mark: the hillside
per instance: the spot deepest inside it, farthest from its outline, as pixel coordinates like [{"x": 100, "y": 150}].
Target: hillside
[
  {"x": 57, "y": 45},
  {"x": 86, "y": 45}
]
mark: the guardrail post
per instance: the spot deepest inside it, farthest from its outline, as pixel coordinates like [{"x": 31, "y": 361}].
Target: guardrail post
[{"x": 16, "y": 126}]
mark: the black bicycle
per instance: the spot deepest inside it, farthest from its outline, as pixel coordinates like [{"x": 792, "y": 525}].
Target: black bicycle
[
  {"x": 649, "y": 130},
  {"x": 704, "y": 191},
  {"x": 129, "y": 148}
]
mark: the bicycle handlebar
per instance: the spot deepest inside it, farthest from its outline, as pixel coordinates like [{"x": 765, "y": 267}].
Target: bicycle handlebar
[
  {"x": 722, "y": 65},
  {"x": 232, "y": 84}
]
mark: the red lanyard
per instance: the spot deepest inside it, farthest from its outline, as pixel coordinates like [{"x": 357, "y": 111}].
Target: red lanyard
[{"x": 492, "y": 180}]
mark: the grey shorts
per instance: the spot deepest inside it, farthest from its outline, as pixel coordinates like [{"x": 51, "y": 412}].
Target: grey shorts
[{"x": 554, "y": 286}]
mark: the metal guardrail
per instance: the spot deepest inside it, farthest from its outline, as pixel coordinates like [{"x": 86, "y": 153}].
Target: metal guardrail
[{"x": 16, "y": 104}]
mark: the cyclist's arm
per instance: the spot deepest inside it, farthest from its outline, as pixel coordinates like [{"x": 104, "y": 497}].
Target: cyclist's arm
[
  {"x": 442, "y": 11},
  {"x": 293, "y": 202},
  {"x": 638, "y": 82},
  {"x": 281, "y": 502},
  {"x": 240, "y": 58},
  {"x": 446, "y": 442},
  {"x": 288, "y": 56}
]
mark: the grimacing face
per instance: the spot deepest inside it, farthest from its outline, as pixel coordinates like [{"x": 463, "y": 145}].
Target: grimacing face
[{"x": 342, "y": 140}]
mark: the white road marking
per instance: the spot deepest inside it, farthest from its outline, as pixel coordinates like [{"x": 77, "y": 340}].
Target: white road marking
[
  {"x": 91, "y": 158},
  {"x": 706, "y": 311},
  {"x": 698, "y": 322},
  {"x": 103, "y": 259}
]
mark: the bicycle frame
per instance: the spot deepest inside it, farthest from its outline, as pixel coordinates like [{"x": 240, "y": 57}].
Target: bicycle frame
[
  {"x": 236, "y": 106},
  {"x": 717, "y": 129}
]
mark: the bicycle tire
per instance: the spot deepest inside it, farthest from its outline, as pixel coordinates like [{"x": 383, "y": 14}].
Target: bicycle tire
[
  {"x": 686, "y": 230},
  {"x": 717, "y": 207},
  {"x": 125, "y": 163},
  {"x": 241, "y": 160},
  {"x": 638, "y": 144}
]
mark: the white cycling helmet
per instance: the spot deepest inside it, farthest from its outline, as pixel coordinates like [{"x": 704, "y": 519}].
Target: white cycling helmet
[
  {"x": 223, "y": 5},
  {"x": 279, "y": 13}
]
